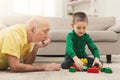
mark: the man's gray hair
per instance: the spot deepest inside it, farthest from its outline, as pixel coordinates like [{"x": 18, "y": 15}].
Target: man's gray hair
[{"x": 36, "y": 22}]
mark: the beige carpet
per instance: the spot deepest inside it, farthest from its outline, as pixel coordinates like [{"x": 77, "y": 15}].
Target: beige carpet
[{"x": 64, "y": 74}]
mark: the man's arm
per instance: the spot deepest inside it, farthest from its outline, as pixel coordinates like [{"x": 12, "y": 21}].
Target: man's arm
[
  {"x": 16, "y": 66},
  {"x": 31, "y": 58}
]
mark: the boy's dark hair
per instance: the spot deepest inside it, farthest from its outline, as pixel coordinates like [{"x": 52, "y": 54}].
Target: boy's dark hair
[{"x": 80, "y": 16}]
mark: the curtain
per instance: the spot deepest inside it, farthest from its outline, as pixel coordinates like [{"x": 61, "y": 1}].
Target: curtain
[{"x": 39, "y": 7}]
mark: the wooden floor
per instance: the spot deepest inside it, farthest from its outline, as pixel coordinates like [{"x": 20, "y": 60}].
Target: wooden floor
[{"x": 65, "y": 74}]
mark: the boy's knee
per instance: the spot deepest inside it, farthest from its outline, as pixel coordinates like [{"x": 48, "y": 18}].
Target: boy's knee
[{"x": 65, "y": 66}]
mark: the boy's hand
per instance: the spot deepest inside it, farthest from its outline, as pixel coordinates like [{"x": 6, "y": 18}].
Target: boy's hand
[
  {"x": 78, "y": 63},
  {"x": 97, "y": 61}
]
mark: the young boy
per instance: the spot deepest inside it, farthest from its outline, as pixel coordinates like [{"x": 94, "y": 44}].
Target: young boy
[{"x": 76, "y": 41}]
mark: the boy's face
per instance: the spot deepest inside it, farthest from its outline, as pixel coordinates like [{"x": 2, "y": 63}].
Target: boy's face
[{"x": 80, "y": 28}]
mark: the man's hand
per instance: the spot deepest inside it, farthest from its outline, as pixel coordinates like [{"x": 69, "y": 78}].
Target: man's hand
[
  {"x": 97, "y": 61},
  {"x": 78, "y": 63},
  {"x": 43, "y": 43},
  {"x": 52, "y": 67}
]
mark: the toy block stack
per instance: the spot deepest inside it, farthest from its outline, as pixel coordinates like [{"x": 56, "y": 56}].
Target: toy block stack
[{"x": 89, "y": 68}]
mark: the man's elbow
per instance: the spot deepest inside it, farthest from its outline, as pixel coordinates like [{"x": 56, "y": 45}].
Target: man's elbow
[{"x": 16, "y": 68}]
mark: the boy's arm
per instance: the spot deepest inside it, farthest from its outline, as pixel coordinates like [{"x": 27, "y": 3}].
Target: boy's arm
[
  {"x": 71, "y": 53},
  {"x": 93, "y": 48},
  {"x": 78, "y": 62},
  {"x": 69, "y": 46},
  {"x": 97, "y": 61}
]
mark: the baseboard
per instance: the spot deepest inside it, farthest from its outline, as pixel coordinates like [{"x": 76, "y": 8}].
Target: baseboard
[{"x": 50, "y": 55}]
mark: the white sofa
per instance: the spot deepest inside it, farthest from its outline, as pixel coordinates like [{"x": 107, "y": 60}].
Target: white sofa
[{"x": 103, "y": 31}]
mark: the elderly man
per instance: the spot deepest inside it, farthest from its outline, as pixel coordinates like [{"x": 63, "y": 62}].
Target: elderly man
[{"x": 16, "y": 49}]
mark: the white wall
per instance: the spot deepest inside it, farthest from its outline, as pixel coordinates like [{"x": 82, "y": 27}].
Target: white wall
[
  {"x": 60, "y": 8},
  {"x": 103, "y": 8},
  {"x": 83, "y": 8},
  {"x": 6, "y": 7},
  {"x": 108, "y": 8}
]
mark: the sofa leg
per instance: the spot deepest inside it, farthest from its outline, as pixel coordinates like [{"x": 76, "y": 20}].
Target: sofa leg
[{"x": 108, "y": 57}]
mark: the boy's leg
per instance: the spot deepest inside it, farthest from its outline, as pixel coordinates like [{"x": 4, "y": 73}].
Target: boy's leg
[
  {"x": 90, "y": 61},
  {"x": 67, "y": 63}
]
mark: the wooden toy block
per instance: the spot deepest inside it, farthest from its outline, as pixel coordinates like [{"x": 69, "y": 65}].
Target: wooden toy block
[
  {"x": 72, "y": 69},
  {"x": 76, "y": 67},
  {"x": 84, "y": 60},
  {"x": 94, "y": 69},
  {"x": 106, "y": 70},
  {"x": 102, "y": 69},
  {"x": 85, "y": 68}
]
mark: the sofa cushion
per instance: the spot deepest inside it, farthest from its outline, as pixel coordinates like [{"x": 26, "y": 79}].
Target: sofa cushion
[
  {"x": 11, "y": 20},
  {"x": 97, "y": 35},
  {"x": 94, "y": 23},
  {"x": 103, "y": 35},
  {"x": 115, "y": 28},
  {"x": 100, "y": 23},
  {"x": 58, "y": 35},
  {"x": 57, "y": 23}
]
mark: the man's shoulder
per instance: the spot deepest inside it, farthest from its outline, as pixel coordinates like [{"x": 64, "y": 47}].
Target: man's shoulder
[
  {"x": 18, "y": 31},
  {"x": 19, "y": 26},
  {"x": 15, "y": 28}
]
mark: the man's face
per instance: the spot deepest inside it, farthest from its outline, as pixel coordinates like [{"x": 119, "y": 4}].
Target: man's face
[
  {"x": 41, "y": 34},
  {"x": 80, "y": 28}
]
